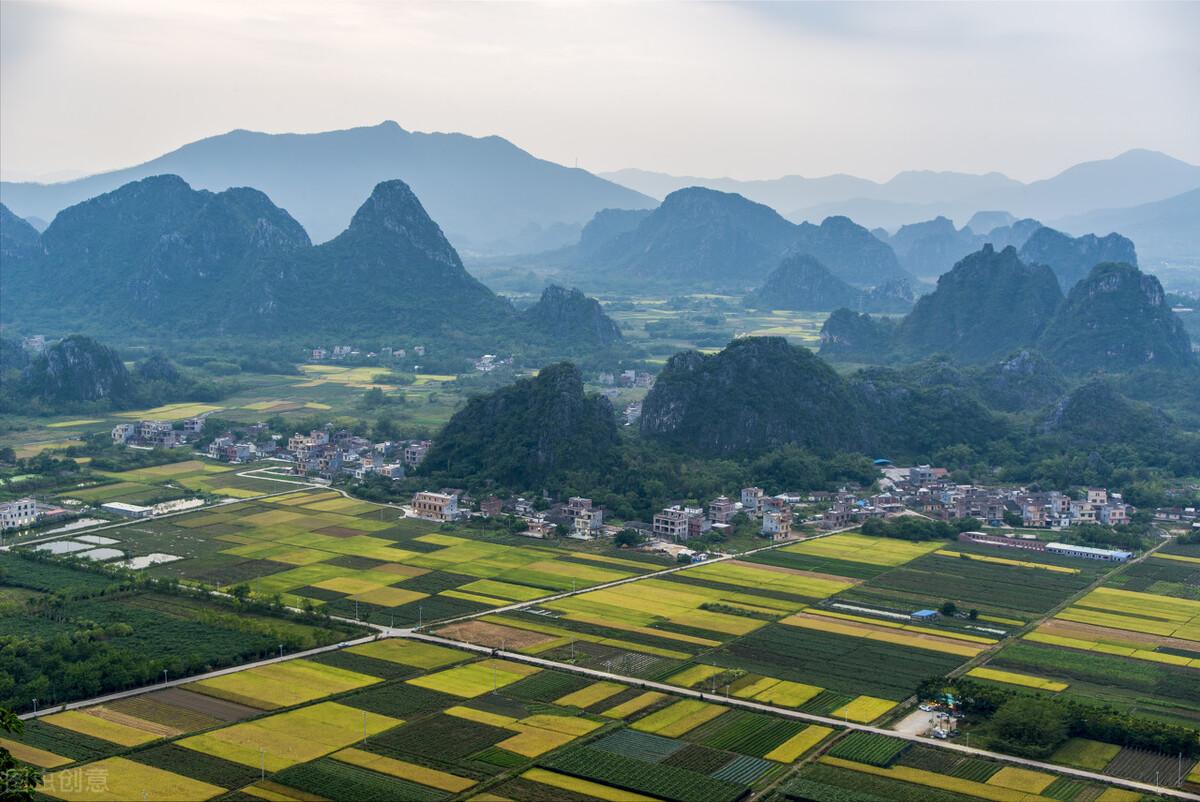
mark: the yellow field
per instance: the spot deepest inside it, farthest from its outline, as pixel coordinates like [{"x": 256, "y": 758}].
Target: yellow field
[
  {"x": 637, "y": 703},
  {"x": 533, "y": 735},
  {"x": 1119, "y": 795},
  {"x": 798, "y": 744},
  {"x": 34, "y": 756},
  {"x": 983, "y": 558},
  {"x": 876, "y": 622},
  {"x": 69, "y": 424},
  {"x": 694, "y": 674},
  {"x": 1013, "y": 678},
  {"x": 1019, "y": 779},
  {"x": 585, "y": 787},
  {"x": 412, "y": 653},
  {"x": 283, "y": 684},
  {"x": 930, "y": 779},
  {"x": 566, "y": 636},
  {"x": 171, "y": 412},
  {"x": 388, "y": 596},
  {"x": 1158, "y": 555},
  {"x": 863, "y": 549},
  {"x": 675, "y": 720},
  {"x": 296, "y": 736},
  {"x": 1113, "y": 648},
  {"x": 899, "y": 637},
  {"x": 405, "y": 771},
  {"x": 118, "y": 780},
  {"x": 475, "y": 679},
  {"x": 786, "y": 693},
  {"x": 1131, "y": 610},
  {"x": 105, "y": 730},
  {"x": 863, "y": 709},
  {"x": 592, "y": 694}
]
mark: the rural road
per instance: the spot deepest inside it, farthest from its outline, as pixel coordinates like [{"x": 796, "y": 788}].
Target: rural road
[
  {"x": 781, "y": 711},
  {"x": 415, "y": 634}
]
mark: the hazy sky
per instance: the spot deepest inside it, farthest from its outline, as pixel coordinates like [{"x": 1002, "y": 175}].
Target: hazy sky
[{"x": 747, "y": 90}]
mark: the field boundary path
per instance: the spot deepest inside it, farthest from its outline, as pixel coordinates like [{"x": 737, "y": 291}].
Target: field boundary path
[{"x": 746, "y": 704}]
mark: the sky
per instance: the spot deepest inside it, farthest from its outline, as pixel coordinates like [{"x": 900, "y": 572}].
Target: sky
[{"x": 747, "y": 90}]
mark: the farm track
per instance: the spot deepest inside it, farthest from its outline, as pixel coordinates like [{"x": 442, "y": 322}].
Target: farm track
[{"x": 844, "y": 726}]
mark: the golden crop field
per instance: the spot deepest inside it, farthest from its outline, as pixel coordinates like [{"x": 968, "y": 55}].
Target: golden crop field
[
  {"x": 97, "y": 727},
  {"x": 791, "y": 749},
  {"x": 119, "y": 780},
  {"x": 863, "y": 549},
  {"x": 917, "y": 640},
  {"x": 170, "y": 412},
  {"x": 592, "y": 694},
  {"x": 1060, "y": 569},
  {"x": 1018, "y": 779},
  {"x": 677, "y": 719},
  {"x": 421, "y": 775},
  {"x": 693, "y": 675},
  {"x": 475, "y": 679},
  {"x": 295, "y": 736},
  {"x": 749, "y": 575},
  {"x": 1138, "y": 612},
  {"x": 863, "y": 709},
  {"x": 932, "y": 780},
  {"x": 282, "y": 684},
  {"x": 410, "y": 653},
  {"x": 1013, "y": 678}
]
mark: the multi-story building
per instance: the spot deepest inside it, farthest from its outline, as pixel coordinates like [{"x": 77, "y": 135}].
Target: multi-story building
[
  {"x": 193, "y": 425},
  {"x": 671, "y": 524},
  {"x": 752, "y": 500},
  {"x": 414, "y": 453},
  {"x": 440, "y": 507},
  {"x": 721, "y": 510},
  {"x": 777, "y": 518},
  {"x": 18, "y": 514},
  {"x": 122, "y": 433}
]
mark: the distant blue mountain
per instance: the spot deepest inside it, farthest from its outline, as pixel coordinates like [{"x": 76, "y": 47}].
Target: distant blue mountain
[{"x": 489, "y": 195}]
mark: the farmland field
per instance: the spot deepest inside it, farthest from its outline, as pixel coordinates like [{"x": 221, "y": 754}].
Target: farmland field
[
  {"x": 351, "y": 558},
  {"x": 433, "y": 736},
  {"x": 1133, "y": 642}
]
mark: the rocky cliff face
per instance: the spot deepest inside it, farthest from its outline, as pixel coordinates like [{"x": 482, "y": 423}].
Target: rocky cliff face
[
  {"x": 18, "y": 239},
  {"x": 852, "y": 337},
  {"x": 1024, "y": 381},
  {"x": 988, "y": 306},
  {"x": 572, "y": 319},
  {"x": 528, "y": 434},
  {"x": 758, "y": 393},
  {"x": 78, "y": 369},
  {"x": 1072, "y": 258},
  {"x": 1117, "y": 319}
]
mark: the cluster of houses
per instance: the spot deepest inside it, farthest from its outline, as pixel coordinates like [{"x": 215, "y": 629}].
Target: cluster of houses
[
  {"x": 931, "y": 492},
  {"x": 343, "y": 352},
  {"x": 489, "y": 362},
  {"x": 626, "y": 378},
  {"x": 158, "y": 433},
  {"x": 680, "y": 523},
  {"x": 577, "y": 516},
  {"x": 330, "y": 454}
]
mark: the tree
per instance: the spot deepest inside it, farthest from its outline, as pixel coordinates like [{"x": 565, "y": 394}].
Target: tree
[
  {"x": 973, "y": 614},
  {"x": 627, "y": 538},
  {"x": 17, "y": 781},
  {"x": 1013, "y": 518},
  {"x": 948, "y": 608},
  {"x": 1028, "y": 726}
]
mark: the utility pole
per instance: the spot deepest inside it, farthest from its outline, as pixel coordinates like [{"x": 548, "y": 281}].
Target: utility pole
[
  {"x": 35, "y": 707},
  {"x": 281, "y": 651},
  {"x": 164, "y": 676}
]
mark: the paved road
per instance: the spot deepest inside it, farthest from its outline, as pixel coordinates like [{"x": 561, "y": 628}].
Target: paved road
[
  {"x": 808, "y": 717},
  {"x": 171, "y": 683}
]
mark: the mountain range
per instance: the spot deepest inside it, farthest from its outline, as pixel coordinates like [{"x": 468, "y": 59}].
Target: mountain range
[
  {"x": 992, "y": 304},
  {"x": 156, "y": 256},
  {"x": 700, "y": 237},
  {"x": 487, "y": 194},
  {"x": 1123, "y": 184}
]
